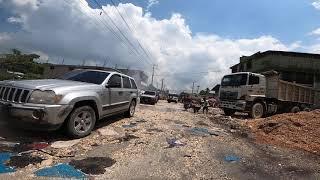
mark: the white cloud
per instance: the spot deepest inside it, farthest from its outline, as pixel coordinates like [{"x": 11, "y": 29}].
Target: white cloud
[
  {"x": 315, "y": 32},
  {"x": 75, "y": 32},
  {"x": 316, "y": 4},
  {"x": 151, "y": 3}
]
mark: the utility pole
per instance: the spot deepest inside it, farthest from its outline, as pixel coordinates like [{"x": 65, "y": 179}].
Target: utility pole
[
  {"x": 192, "y": 87},
  {"x": 198, "y": 89},
  {"x": 162, "y": 85},
  {"x": 83, "y": 62},
  {"x": 152, "y": 74}
]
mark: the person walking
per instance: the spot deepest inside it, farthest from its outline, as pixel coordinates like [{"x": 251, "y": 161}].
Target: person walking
[{"x": 205, "y": 105}]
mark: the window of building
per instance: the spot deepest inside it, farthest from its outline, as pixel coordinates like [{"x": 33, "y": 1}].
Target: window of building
[
  {"x": 134, "y": 86},
  {"x": 126, "y": 82},
  {"x": 115, "y": 81},
  {"x": 253, "y": 79}
]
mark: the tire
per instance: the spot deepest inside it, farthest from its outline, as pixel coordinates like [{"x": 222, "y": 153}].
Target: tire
[
  {"x": 307, "y": 109},
  {"x": 229, "y": 112},
  {"x": 132, "y": 109},
  {"x": 257, "y": 110},
  {"x": 81, "y": 121},
  {"x": 295, "y": 109}
]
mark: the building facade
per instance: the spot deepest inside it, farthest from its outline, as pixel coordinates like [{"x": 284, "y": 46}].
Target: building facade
[{"x": 57, "y": 70}]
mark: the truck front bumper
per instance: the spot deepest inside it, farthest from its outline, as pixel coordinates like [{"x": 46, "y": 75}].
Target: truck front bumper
[
  {"x": 239, "y": 105},
  {"x": 35, "y": 116}
]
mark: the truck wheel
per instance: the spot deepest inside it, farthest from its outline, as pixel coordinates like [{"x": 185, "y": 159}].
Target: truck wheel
[
  {"x": 81, "y": 121},
  {"x": 257, "y": 110},
  {"x": 295, "y": 109},
  {"x": 307, "y": 109},
  {"x": 132, "y": 109},
  {"x": 229, "y": 112}
]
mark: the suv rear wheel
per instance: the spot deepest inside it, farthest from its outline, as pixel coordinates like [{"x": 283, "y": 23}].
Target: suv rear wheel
[
  {"x": 132, "y": 109},
  {"x": 257, "y": 110},
  {"x": 81, "y": 121}
]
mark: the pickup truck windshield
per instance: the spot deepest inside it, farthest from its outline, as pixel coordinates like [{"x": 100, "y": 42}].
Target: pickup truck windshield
[
  {"x": 150, "y": 93},
  {"x": 234, "y": 80},
  {"x": 94, "y": 77}
]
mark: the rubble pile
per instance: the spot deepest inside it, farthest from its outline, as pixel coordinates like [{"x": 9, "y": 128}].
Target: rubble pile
[{"x": 300, "y": 130}]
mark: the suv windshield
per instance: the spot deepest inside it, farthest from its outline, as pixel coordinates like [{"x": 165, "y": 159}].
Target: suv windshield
[
  {"x": 150, "y": 93},
  {"x": 234, "y": 80},
  {"x": 94, "y": 77}
]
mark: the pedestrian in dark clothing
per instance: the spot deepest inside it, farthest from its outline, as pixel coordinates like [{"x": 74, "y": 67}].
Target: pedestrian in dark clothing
[{"x": 205, "y": 105}]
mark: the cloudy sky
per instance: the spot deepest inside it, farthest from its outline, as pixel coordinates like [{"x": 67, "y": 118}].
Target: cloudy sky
[{"x": 187, "y": 40}]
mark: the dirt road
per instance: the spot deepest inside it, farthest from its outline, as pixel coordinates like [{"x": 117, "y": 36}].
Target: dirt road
[{"x": 160, "y": 142}]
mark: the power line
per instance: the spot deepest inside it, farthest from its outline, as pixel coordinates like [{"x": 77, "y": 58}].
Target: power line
[
  {"x": 120, "y": 31},
  {"x": 126, "y": 23}
]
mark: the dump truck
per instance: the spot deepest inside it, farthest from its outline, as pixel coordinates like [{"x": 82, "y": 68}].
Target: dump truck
[{"x": 263, "y": 94}]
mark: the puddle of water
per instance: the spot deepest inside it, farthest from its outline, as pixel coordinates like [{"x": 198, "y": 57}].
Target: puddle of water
[
  {"x": 4, "y": 157},
  {"x": 61, "y": 171},
  {"x": 93, "y": 165},
  {"x": 23, "y": 161}
]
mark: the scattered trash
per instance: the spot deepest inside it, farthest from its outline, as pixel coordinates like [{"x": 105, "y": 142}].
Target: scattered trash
[
  {"x": 65, "y": 144},
  {"x": 173, "y": 142},
  {"x": 8, "y": 144},
  {"x": 61, "y": 171},
  {"x": 22, "y": 161},
  {"x": 154, "y": 130},
  {"x": 201, "y": 123},
  {"x": 127, "y": 137},
  {"x": 39, "y": 145},
  {"x": 131, "y": 125},
  {"x": 4, "y": 157},
  {"x": 47, "y": 162},
  {"x": 109, "y": 131},
  {"x": 231, "y": 158},
  {"x": 141, "y": 121},
  {"x": 202, "y": 131},
  {"x": 93, "y": 165}
]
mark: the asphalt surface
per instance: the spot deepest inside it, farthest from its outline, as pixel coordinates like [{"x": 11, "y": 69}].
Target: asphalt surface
[{"x": 163, "y": 142}]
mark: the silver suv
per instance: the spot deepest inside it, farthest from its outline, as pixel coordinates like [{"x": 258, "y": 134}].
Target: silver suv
[{"x": 76, "y": 100}]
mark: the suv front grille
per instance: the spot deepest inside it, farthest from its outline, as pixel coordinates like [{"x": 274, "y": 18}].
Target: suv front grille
[{"x": 12, "y": 94}]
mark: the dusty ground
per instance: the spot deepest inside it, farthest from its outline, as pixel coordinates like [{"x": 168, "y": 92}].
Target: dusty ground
[{"x": 137, "y": 148}]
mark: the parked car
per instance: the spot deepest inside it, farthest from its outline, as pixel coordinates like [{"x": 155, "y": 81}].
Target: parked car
[
  {"x": 76, "y": 100},
  {"x": 173, "y": 98},
  {"x": 149, "y": 97}
]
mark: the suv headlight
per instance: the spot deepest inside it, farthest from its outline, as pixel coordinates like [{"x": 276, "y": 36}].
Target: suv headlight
[{"x": 44, "y": 97}]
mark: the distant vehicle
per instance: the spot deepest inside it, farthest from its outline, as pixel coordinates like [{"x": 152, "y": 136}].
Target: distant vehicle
[
  {"x": 261, "y": 94},
  {"x": 76, "y": 100},
  {"x": 149, "y": 97},
  {"x": 173, "y": 98}
]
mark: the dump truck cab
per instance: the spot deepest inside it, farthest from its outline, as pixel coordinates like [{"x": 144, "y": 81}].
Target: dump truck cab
[{"x": 239, "y": 90}]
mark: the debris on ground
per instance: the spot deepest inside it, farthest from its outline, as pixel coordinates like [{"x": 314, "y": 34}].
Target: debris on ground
[
  {"x": 61, "y": 171},
  {"x": 231, "y": 158},
  {"x": 127, "y": 137},
  {"x": 108, "y": 131},
  {"x": 295, "y": 130},
  {"x": 21, "y": 161},
  {"x": 65, "y": 144},
  {"x": 93, "y": 165},
  {"x": 202, "y": 131},
  {"x": 131, "y": 125},
  {"x": 4, "y": 157},
  {"x": 173, "y": 142}
]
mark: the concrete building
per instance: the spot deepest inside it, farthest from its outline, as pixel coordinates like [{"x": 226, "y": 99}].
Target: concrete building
[
  {"x": 56, "y": 70},
  {"x": 303, "y": 68}
]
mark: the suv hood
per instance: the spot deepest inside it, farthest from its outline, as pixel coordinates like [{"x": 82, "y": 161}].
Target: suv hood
[{"x": 44, "y": 84}]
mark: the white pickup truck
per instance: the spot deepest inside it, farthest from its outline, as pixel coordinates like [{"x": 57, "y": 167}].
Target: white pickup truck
[{"x": 262, "y": 94}]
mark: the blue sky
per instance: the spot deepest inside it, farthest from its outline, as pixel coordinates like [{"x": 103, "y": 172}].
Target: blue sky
[{"x": 286, "y": 20}]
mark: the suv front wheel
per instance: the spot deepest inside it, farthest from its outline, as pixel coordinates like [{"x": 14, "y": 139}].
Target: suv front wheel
[{"x": 81, "y": 121}]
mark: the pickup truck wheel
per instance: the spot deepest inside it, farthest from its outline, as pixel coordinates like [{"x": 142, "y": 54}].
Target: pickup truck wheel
[
  {"x": 257, "y": 110},
  {"x": 132, "y": 109},
  {"x": 229, "y": 112},
  {"x": 81, "y": 121}
]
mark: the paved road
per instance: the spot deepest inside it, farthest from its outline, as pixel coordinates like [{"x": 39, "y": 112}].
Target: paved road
[{"x": 138, "y": 148}]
